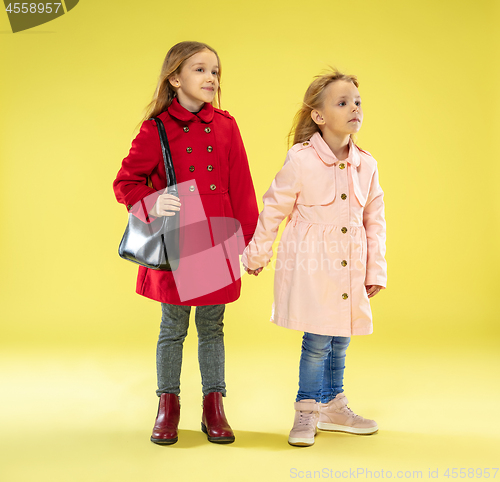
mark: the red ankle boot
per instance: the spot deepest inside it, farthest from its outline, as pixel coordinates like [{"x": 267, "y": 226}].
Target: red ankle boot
[
  {"x": 214, "y": 422},
  {"x": 167, "y": 420}
]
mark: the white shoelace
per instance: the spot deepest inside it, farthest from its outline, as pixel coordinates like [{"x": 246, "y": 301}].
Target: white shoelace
[
  {"x": 347, "y": 410},
  {"x": 306, "y": 418}
]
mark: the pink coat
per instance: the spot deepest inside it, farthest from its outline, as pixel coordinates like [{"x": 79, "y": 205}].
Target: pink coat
[{"x": 333, "y": 244}]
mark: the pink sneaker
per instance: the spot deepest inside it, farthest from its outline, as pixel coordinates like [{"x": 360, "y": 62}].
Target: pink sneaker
[
  {"x": 336, "y": 416},
  {"x": 305, "y": 422}
]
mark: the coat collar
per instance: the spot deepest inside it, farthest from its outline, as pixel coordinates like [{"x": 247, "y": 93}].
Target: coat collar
[
  {"x": 326, "y": 154},
  {"x": 176, "y": 110}
]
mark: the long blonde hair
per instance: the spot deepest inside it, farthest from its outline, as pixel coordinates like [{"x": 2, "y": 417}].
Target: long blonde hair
[
  {"x": 303, "y": 127},
  {"x": 173, "y": 63}
]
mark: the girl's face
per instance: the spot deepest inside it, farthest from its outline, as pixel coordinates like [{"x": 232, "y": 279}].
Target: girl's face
[
  {"x": 197, "y": 81},
  {"x": 341, "y": 113}
]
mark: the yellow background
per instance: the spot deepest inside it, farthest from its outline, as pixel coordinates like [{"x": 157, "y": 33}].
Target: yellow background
[{"x": 77, "y": 344}]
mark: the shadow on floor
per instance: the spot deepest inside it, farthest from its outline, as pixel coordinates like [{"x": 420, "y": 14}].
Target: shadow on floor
[{"x": 244, "y": 439}]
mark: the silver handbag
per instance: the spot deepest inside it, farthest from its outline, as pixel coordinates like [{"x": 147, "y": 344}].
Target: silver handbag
[{"x": 155, "y": 245}]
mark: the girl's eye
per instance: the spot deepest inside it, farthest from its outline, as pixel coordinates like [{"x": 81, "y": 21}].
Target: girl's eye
[
  {"x": 342, "y": 103},
  {"x": 199, "y": 69},
  {"x": 358, "y": 102}
]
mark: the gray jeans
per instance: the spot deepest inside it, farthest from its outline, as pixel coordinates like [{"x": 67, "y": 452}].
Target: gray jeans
[{"x": 173, "y": 331}]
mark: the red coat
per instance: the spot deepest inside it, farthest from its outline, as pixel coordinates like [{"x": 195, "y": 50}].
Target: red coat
[{"x": 206, "y": 148}]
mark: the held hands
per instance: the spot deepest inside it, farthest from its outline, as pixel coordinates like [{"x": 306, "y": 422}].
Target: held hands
[
  {"x": 253, "y": 271},
  {"x": 165, "y": 205},
  {"x": 372, "y": 290}
]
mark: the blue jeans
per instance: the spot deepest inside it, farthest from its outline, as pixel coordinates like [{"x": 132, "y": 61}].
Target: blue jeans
[
  {"x": 322, "y": 364},
  {"x": 173, "y": 331}
]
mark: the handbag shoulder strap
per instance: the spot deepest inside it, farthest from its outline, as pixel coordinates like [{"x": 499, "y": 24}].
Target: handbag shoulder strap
[{"x": 167, "y": 156}]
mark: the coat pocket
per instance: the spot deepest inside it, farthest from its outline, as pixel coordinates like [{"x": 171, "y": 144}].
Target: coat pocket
[
  {"x": 318, "y": 191},
  {"x": 316, "y": 199},
  {"x": 364, "y": 247}
]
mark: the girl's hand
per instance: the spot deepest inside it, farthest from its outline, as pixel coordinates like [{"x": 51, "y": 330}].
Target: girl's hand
[
  {"x": 372, "y": 290},
  {"x": 166, "y": 205},
  {"x": 253, "y": 271}
]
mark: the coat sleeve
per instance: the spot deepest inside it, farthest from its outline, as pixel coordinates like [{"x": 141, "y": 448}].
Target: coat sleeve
[
  {"x": 130, "y": 185},
  {"x": 241, "y": 189},
  {"x": 279, "y": 201},
  {"x": 374, "y": 222}
]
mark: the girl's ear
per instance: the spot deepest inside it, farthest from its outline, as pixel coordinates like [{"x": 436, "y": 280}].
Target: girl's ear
[
  {"x": 174, "y": 81},
  {"x": 317, "y": 117}
]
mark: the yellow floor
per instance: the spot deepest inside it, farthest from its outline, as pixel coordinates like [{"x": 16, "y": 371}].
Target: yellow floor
[{"x": 87, "y": 416}]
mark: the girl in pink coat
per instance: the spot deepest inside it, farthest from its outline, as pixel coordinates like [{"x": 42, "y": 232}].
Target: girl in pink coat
[{"x": 330, "y": 258}]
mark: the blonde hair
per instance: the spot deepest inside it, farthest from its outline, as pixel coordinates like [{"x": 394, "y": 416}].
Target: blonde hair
[
  {"x": 303, "y": 127},
  {"x": 173, "y": 63}
]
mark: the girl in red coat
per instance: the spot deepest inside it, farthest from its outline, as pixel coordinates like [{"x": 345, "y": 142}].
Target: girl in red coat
[{"x": 213, "y": 178}]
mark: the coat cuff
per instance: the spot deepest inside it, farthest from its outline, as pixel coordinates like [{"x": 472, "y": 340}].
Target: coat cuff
[
  {"x": 245, "y": 235},
  {"x": 379, "y": 280},
  {"x": 141, "y": 208},
  {"x": 252, "y": 259}
]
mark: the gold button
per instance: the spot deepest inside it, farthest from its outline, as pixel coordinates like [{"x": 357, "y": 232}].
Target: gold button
[
  {"x": 342, "y": 165},
  {"x": 344, "y": 230},
  {"x": 186, "y": 129},
  {"x": 345, "y": 296},
  {"x": 210, "y": 148},
  {"x": 210, "y": 167},
  {"x": 343, "y": 196},
  {"x": 344, "y": 263},
  {"x": 212, "y": 187},
  {"x": 129, "y": 206},
  {"x": 208, "y": 130},
  {"x": 191, "y": 168},
  {"x": 305, "y": 143},
  {"x": 191, "y": 188},
  {"x": 189, "y": 149}
]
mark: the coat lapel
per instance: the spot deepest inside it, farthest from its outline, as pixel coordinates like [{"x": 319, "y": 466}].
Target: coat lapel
[{"x": 327, "y": 156}]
